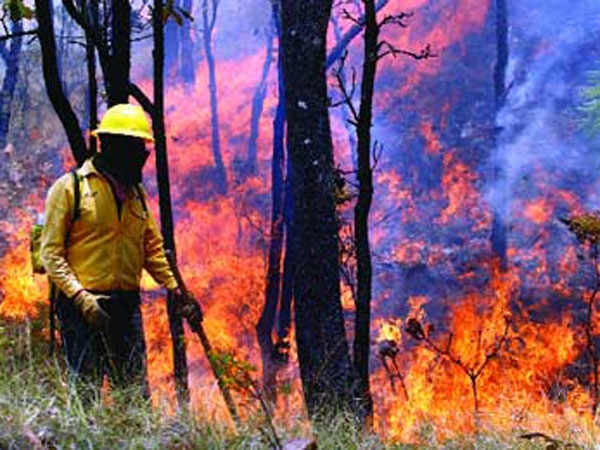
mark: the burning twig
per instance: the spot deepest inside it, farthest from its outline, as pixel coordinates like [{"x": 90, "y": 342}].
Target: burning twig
[
  {"x": 473, "y": 372},
  {"x": 388, "y": 351}
]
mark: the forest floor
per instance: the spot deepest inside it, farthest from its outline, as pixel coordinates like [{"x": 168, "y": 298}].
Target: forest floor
[{"x": 39, "y": 411}]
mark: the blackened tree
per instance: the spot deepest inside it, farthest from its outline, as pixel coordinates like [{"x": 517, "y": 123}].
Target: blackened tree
[
  {"x": 166, "y": 211},
  {"x": 265, "y": 325},
  {"x": 52, "y": 79},
  {"x": 362, "y": 119},
  {"x": 322, "y": 345},
  {"x": 172, "y": 42},
  {"x": 258, "y": 101},
  {"x": 179, "y": 47},
  {"x": 498, "y": 233},
  {"x": 279, "y": 287},
  {"x": 187, "y": 69},
  {"x": 10, "y": 54},
  {"x": 209, "y": 21}
]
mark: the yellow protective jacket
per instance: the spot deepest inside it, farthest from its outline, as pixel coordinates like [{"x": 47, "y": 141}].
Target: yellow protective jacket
[{"x": 102, "y": 251}]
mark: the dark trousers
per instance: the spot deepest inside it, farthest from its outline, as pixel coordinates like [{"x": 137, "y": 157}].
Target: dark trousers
[{"x": 119, "y": 352}]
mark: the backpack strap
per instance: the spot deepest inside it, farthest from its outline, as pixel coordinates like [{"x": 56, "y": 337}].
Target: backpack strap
[
  {"x": 76, "y": 201},
  {"x": 76, "y": 195},
  {"x": 140, "y": 193}
]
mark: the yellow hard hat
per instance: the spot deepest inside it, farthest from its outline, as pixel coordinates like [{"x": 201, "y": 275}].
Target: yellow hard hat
[{"x": 126, "y": 120}]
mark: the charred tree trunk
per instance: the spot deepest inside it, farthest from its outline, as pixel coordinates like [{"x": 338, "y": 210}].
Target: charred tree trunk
[
  {"x": 92, "y": 91},
  {"x": 289, "y": 263},
  {"x": 209, "y": 18},
  {"x": 54, "y": 88},
  {"x": 264, "y": 328},
  {"x": 362, "y": 342},
  {"x": 118, "y": 89},
  {"x": 322, "y": 345},
  {"x": 92, "y": 94},
  {"x": 498, "y": 234},
  {"x": 166, "y": 212},
  {"x": 11, "y": 56},
  {"x": 172, "y": 44},
  {"x": 258, "y": 102},
  {"x": 187, "y": 65}
]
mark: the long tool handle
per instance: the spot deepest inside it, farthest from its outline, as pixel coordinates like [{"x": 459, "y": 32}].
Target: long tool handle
[{"x": 199, "y": 330}]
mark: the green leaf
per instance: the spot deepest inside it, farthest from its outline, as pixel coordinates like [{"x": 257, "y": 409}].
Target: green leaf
[{"x": 18, "y": 10}]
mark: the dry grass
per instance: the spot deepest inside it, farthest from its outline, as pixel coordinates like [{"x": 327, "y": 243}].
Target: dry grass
[{"x": 38, "y": 410}]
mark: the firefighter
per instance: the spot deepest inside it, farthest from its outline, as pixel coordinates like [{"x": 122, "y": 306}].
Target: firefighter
[{"x": 95, "y": 255}]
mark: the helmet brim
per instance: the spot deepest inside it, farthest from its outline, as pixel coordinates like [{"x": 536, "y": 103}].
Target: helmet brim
[{"x": 123, "y": 132}]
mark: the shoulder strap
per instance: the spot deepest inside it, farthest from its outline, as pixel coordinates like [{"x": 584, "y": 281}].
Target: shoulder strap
[
  {"x": 76, "y": 195},
  {"x": 140, "y": 194}
]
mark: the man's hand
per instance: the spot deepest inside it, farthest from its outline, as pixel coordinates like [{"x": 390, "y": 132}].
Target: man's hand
[
  {"x": 89, "y": 306},
  {"x": 190, "y": 309}
]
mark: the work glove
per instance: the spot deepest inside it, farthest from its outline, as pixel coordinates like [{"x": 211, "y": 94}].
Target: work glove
[
  {"x": 190, "y": 309},
  {"x": 89, "y": 306}
]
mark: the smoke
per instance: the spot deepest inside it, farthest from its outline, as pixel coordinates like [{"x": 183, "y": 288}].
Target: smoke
[{"x": 552, "y": 50}]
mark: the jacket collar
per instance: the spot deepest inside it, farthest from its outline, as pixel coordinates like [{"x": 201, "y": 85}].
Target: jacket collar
[{"x": 88, "y": 169}]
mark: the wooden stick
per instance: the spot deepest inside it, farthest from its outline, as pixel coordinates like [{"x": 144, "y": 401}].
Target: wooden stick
[{"x": 199, "y": 330}]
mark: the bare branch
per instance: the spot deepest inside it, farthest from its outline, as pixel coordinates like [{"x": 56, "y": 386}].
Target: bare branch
[
  {"x": 348, "y": 16},
  {"x": 377, "y": 152},
  {"x": 397, "y": 19},
  {"x": 213, "y": 19},
  {"x": 494, "y": 353},
  {"x": 347, "y": 96},
  {"x": 76, "y": 15},
  {"x": 352, "y": 33},
  {"x": 9, "y": 36},
  {"x": 425, "y": 52},
  {"x": 137, "y": 93}
]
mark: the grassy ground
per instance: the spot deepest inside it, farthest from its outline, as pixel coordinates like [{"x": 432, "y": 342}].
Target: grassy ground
[{"x": 38, "y": 410}]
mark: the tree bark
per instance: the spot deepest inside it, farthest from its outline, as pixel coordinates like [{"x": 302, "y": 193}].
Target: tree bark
[
  {"x": 289, "y": 261},
  {"x": 54, "y": 88},
  {"x": 362, "y": 342},
  {"x": 166, "y": 211},
  {"x": 209, "y": 18},
  {"x": 257, "y": 107},
  {"x": 321, "y": 340},
  {"x": 92, "y": 92},
  {"x": 120, "y": 62},
  {"x": 11, "y": 57},
  {"x": 172, "y": 44},
  {"x": 264, "y": 328},
  {"x": 499, "y": 233},
  {"x": 187, "y": 65}
]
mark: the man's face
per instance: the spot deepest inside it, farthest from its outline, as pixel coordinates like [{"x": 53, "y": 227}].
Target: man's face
[
  {"x": 123, "y": 157},
  {"x": 125, "y": 147}
]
